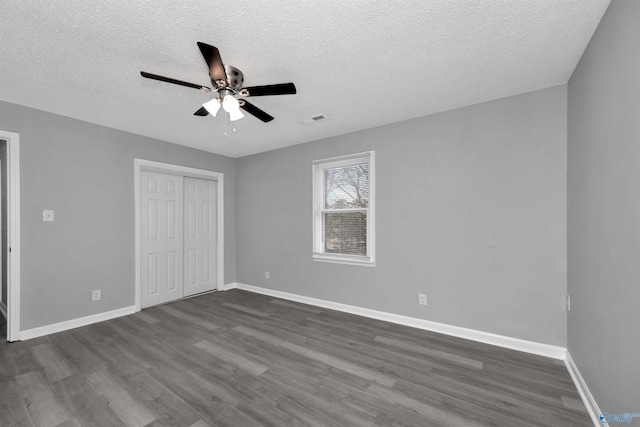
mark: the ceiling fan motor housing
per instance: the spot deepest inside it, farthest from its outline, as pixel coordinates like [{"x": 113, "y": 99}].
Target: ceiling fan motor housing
[{"x": 235, "y": 78}]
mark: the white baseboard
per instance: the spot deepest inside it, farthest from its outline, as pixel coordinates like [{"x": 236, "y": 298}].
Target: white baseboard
[
  {"x": 3, "y": 309},
  {"x": 552, "y": 351},
  {"x": 228, "y": 286},
  {"x": 585, "y": 394},
  {"x": 75, "y": 323}
]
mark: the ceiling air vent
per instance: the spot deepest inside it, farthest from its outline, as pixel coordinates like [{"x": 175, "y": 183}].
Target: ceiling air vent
[{"x": 314, "y": 119}]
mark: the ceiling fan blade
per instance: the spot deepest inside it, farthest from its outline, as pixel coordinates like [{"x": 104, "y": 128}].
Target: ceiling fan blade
[
  {"x": 277, "y": 89},
  {"x": 255, "y": 111},
  {"x": 214, "y": 61},
  {"x": 201, "y": 112},
  {"x": 174, "y": 81}
]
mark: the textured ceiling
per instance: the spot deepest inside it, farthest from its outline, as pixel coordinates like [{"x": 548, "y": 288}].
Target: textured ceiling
[{"x": 362, "y": 63}]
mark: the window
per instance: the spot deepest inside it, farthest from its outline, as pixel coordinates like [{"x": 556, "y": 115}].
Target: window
[{"x": 343, "y": 209}]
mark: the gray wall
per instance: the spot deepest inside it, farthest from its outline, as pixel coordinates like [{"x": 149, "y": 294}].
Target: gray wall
[
  {"x": 85, "y": 173},
  {"x": 444, "y": 184},
  {"x": 604, "y": 210}
]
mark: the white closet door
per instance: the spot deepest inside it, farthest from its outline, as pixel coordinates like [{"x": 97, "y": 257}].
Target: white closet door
[
  {"x": 161, "y": 238},
  {"x": 200, "y": 236}
]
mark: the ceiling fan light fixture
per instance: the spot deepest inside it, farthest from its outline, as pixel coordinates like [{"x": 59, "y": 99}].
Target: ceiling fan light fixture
[
  {"x": 235, "y": 115},
  {"x": 230, "y": 104},
  {"x": 212, "y": 106}
]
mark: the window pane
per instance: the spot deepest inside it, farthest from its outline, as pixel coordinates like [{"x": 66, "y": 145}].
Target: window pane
[
  {"x": 347, "y": 187},
  {"x": 345, "y": 233}
]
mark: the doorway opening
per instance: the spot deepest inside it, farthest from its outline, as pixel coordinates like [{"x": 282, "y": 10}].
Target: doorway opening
[{"x": 10, "y": 233}]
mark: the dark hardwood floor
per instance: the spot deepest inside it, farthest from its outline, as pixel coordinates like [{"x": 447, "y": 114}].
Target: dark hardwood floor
[{"x": 239, "y": 359}]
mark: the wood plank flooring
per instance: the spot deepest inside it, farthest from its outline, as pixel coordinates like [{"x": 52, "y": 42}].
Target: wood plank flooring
[{"x": 240, "y": 359}]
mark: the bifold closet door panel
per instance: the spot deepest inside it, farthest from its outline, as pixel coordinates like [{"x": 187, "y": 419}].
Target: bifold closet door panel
[
  {"x": 162, "y": 239},
  {"x": 200, "y": 236}
]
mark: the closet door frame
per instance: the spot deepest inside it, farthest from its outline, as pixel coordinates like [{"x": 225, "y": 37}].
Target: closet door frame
[{"x": 170, "y": 169}]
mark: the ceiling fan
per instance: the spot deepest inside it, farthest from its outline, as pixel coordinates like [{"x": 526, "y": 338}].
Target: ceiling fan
[{"x": 227, "y": 84}]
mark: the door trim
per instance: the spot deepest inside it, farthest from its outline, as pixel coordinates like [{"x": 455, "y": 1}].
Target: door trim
[
  {"x": 13, "y": 234},
  {"x": 170, "y": 169}
]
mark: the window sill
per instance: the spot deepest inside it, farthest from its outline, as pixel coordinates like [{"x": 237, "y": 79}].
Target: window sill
[{"x": 363, "y": 262}]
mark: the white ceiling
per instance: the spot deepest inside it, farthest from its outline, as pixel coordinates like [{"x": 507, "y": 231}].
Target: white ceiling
[{"x": 363, "y": 63}]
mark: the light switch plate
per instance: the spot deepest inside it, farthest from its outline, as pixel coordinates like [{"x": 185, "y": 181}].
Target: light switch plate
[{"x": 47, "y": 216}]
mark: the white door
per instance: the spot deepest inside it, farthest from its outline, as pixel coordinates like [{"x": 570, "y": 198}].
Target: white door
[
  {"x": 161, "y": 216},
  {"x": 200, "y": 236}
]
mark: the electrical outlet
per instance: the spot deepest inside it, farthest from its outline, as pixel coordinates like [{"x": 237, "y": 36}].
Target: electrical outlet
[
  {"x": 567, "y": 302},
  {"x": 422, "y": 299},
  {"x": 47, "y": 216},
  {"x": 96, "y": 295},
  {"x": 266, "y": 275}
]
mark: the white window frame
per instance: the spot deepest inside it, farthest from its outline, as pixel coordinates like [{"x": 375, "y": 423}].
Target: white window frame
[{"x": 319, "y": 166}]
